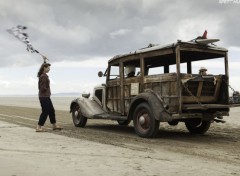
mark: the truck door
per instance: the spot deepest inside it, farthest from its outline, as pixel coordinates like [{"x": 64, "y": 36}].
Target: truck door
[{"x": 113, "y": 91}]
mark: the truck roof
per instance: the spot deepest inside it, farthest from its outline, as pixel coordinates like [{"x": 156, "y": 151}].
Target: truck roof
[{"x": 173, "y": 45}]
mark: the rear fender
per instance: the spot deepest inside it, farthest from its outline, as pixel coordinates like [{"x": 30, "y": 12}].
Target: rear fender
[
  {"x": 88, "y": 107},
  {"x": 158, "y": 107}
]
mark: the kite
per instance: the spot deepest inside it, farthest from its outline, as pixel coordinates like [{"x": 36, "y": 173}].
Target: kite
[{"x": 20, "y": 34}]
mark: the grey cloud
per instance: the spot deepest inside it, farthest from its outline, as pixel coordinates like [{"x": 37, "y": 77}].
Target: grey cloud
[{"x": 78, "y": 30}]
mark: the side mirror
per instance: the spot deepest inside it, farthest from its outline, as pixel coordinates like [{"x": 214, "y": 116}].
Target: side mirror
[{"x": 100, "y": 74}]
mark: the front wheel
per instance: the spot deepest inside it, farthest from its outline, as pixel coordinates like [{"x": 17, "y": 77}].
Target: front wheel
[
  {"x": 78, "y": 119},
  {"x": 197, "y": 126},
  {"x": 145, "y": 124}
]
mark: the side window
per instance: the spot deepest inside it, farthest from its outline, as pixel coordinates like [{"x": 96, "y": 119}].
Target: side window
[
  {"x": 153, "y": 66},
  {"x": 155, "y": 70},
  {"x": 159, "y": 64},
  {"x": 132, "y": 69},
  {"x": 114, "y": 72},
  {"x": 214, "y": 66},
  {"x": 183, "y": 68}
]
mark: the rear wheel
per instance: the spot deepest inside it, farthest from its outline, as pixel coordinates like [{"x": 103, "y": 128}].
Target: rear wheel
[
  {"x": 197, "y": 126},
  {"x": 78, "y": 119},
  {"x": 145, "y": 124}
]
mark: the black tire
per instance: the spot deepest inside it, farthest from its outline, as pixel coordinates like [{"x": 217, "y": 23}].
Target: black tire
[
  {"x": 123, "y": 122},
  {"x": 197, "y": 126},
  {"x": 145, "y": 124},
  {"x": 78, "y": 119},
  {"x": 173, "y": 123}
]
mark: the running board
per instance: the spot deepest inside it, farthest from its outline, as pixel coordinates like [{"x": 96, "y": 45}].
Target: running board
[{"x": 109, "y": 116}]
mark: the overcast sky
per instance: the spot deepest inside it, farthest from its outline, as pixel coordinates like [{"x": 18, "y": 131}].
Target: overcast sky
[{"x": 80, "y": 36}]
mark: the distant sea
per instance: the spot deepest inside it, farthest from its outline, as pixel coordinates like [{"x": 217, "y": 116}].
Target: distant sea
[{"x": 59, "y": 102}]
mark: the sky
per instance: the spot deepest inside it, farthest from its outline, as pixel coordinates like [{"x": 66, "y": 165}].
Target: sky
[{"x": 80, "y": 36}]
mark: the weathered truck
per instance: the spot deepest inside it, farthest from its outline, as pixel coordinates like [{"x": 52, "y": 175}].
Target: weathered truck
[{"x": 162, "y": 89}]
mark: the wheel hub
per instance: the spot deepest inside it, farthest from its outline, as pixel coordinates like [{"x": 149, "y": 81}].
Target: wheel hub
[
  {"x": 76, "y": 113},
  {"x": 142, "y": 120}
]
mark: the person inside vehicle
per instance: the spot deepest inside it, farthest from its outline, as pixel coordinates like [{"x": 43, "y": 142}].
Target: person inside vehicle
[
  {"x": 203, "y": 71},
  {"x": 130, "y": 71}
]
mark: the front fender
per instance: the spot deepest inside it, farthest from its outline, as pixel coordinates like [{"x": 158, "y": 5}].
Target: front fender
[
  {"x": 88, "y": 107},
  {"x": 158, "y": 107}
]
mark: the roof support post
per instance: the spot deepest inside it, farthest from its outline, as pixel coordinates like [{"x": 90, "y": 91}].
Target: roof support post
[
  {"x": 189, "y": 67},
  {"x": 121, "y": 69},
  {"x": 177, "y": 51},
  {"x": 227, "y": 72}
]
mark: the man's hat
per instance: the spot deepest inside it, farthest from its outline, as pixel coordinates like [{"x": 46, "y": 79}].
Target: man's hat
[{"x": 202, "y": 69}]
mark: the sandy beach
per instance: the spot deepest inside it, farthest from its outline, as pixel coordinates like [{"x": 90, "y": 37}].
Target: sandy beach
[{"x": 105, "y": 148}]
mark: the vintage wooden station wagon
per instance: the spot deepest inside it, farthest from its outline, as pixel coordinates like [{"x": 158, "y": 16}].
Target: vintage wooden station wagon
[{"x": 161, "y": 88}]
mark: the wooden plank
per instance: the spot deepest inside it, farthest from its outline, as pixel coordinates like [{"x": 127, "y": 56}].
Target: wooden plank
[
  {"x": 142, "y": 70},
  {"x": 165, "y": 88},
  {"x": 204, "y": 106},
  {"x": 199, "y": 91},
  {"x": 227, "y": 72},
  {"x": 121, "y": 70},
  {"x": 114, "y": 98},
  {"x": 157, "y": 53},
  {"x": 161, "y": 78},
  {"x": 226, "y": 65},
  {"x": 218, "y": 86},
  {"x": 202, "y": 99},
  {"x": 179, "y": 93},
  {"x": 203, "y": 50}
]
